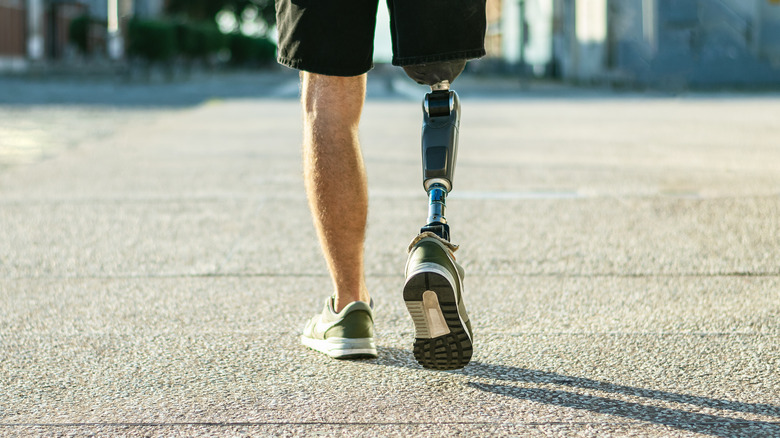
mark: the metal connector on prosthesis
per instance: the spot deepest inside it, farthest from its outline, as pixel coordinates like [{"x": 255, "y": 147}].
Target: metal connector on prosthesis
[{"x": 441, "y": 121}]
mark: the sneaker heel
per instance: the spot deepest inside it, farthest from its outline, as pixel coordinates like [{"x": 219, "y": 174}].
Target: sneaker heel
[{"x": 429, "y": 321}]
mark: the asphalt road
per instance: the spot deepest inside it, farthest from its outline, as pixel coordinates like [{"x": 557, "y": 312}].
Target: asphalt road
[{"x": 157, "y": 263}]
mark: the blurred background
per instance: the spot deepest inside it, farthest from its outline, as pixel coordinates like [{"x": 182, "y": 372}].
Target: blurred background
[
  {"x": 660, "y": 43},
  {"x": 73, "y": 70}
]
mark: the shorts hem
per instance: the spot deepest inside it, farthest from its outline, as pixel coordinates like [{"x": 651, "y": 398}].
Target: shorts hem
[
  {"x": 463, "y": 54},
  {"x": 298, "y": 64}
]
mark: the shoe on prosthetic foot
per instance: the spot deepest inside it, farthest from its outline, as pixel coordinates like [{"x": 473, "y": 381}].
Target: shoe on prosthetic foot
[{"x": 433, "y": 296}]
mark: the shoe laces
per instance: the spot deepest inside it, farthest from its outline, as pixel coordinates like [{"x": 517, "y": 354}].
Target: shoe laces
[{"x": 428, "y": 234}]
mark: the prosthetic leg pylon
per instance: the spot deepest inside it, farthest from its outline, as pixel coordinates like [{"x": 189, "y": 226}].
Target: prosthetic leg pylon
[{"x": 441, "y": 122}]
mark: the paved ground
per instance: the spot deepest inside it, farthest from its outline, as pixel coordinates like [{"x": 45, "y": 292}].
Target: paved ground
[{"x": 157, "y": 263}]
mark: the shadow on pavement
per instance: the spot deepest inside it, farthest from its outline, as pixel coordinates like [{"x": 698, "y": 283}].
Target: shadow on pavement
[{"x": 677, "y": 418}]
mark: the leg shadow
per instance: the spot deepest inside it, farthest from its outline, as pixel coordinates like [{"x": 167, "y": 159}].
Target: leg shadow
[{"x": 677, "y": 418}]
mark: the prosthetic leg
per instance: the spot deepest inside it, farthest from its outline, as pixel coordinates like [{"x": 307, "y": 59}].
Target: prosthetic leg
[{"x": 434, "y": 281}]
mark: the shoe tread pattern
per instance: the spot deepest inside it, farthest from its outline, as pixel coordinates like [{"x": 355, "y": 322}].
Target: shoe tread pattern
[{"x": 447, "y": 352}]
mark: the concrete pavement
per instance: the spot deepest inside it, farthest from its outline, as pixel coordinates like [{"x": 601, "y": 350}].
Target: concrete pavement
[{"x": 621, "y": 253}]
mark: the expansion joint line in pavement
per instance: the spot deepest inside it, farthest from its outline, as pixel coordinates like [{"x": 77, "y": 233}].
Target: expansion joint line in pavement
[
  {"x": 367, "y": 423},
  {"x": 379, "y": 275}
]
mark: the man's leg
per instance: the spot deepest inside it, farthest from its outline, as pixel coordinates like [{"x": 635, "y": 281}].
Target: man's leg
[
  {"x": 335, "y": 178},
  {"x": 333, "y": 166}
]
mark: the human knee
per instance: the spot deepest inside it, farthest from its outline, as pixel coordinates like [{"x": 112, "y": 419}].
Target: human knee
[
  {"x": 335, "y": 97},
  {"x": 435, "y": 72}
]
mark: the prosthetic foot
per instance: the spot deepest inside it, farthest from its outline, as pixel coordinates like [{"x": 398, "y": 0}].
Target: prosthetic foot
[{"x": 434, "y": 281}]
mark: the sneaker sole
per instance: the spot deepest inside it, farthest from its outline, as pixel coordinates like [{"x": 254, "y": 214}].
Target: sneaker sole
[
  {"x": 441, "y": 340},
  {"x": 343, "y": 348}
]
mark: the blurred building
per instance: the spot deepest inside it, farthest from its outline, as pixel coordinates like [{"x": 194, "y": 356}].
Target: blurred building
[
  {"x": 37, "y": 31},
  {"x": 13, "y": 37},
  {"x": 652, "y": 42},
  {"x": 519, "y": 34},
  {"x": 668, "y": 42}
]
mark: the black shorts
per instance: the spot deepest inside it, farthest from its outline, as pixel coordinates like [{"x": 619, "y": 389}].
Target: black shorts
[{"x": 336, "y": 37}]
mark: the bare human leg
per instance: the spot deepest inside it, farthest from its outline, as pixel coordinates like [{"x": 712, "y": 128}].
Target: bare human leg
[{"x": 335, "y": 178}]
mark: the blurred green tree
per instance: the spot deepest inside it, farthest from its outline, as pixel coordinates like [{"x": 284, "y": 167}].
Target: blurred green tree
[{"x": 199, "y": 10}]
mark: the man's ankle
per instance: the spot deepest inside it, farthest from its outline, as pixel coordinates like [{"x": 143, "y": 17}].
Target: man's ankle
[{"x": 342, "y": 301}]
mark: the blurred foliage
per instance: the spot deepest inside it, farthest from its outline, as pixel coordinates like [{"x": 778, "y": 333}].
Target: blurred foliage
[
  {"x": 251, "y": 51},
  {"x": 78, "y": 32},
  {"x": 193, "y": 32},
  {"x": 197, "y": 40},
  {"x": 151, "y": 39},
  {"x": 203, "y": 10},
  {"x": 163, "y": 40}
]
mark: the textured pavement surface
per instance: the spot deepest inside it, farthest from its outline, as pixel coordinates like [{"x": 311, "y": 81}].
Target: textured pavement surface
[{"x": 157, "y": 263}]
